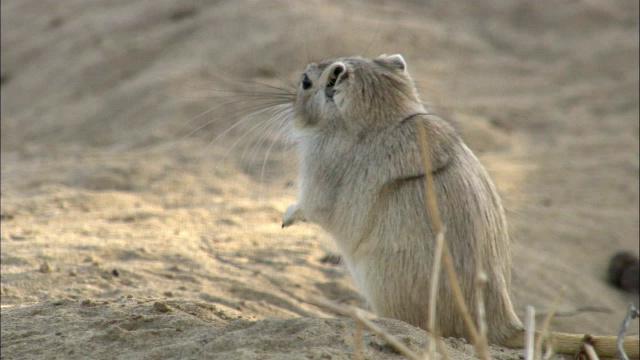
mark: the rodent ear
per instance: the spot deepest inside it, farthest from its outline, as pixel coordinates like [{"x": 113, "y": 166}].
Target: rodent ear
[
  {"x": 392, "y": 62},
  {"x": 336, "y": 73},
  {"x": 336, "y": 70}
]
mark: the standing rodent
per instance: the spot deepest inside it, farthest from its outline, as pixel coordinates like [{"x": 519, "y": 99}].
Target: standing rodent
[{"x": 361, "y": 179}]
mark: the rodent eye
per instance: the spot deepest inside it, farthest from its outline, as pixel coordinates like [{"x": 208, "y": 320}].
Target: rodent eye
[{"x": 306, "y": 82}]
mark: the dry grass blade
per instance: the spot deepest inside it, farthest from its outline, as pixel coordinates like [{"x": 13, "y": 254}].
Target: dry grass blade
[
  {"x": 357, "y": 316},
  {"x": 442, "y": 348},
  {"x": 434, "y": 213},
  {"x": 357, "y": 342},
  {"x": 431, "y": 327},
  {"x": 548, "y": 353},
  {"x": 632, "y": 313},
  {"x": 545, "y": 333},
  {"x": 481, "y": 281},
  {"x": 590, "y": 351},
  {"x": 529, "y": 333},
  {"x": 457, "y": 294},
  {"x": 430, "y": 198}
]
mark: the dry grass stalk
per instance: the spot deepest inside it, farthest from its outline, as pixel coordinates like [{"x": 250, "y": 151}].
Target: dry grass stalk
[
  {"x": 529, "y": 332},
  {"x": 590, "y": 351},
  {"x": 431, "y": 327},
  {"x": 632, "y": 313},
  {"x": 357, "y": 316},
  {"x": 457, "y": 294},
  {"x": 357, "y": 342},
  {"x": 442, "y": 348},
  {"x": 481, "y": 281},
  {"x": 545, "y": 332},
  {"x": 434, "y": 213},
  {"x": 548, "y": 353},
  {"x": 430, "y": 198}
]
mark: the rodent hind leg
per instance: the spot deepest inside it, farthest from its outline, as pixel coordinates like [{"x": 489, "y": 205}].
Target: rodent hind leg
[{"x": 292, "y": 215}]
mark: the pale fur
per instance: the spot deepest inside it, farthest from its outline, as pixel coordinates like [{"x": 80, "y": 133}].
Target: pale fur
[{"x": 361, "y": 180}]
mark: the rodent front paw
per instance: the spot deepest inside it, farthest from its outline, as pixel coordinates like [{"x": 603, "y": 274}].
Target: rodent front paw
[{"x": 292, "y": 215}]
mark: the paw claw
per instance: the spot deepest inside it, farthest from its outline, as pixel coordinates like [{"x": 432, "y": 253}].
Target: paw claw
[{"x": 292, "y": 215}]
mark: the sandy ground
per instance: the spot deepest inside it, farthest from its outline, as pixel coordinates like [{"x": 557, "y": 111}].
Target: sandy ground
[{"x": 135, "y": 226}]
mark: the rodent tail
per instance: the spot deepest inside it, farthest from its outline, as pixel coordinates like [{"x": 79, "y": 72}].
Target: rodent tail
[{"x": 571, "y": 344}]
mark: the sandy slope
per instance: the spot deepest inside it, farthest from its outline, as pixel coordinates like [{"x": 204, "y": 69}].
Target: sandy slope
[{"x": 116, "y": 198}]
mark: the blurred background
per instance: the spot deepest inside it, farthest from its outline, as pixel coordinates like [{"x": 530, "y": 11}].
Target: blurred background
[{"x": 123, "y": 173}]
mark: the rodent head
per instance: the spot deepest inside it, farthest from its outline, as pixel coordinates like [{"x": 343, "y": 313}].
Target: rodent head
[{"x": 355, "y": 94}]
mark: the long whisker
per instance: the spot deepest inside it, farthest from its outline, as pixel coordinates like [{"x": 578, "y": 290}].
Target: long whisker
[
  {"x": 255, "y": 92},
  {"x": 274, "y": 100},
  {"x": 250, "y": 116},
  {"x": 273, "y": 122},
  {"x": 260, "y": 134},
  {"x": 243, "y": 120},
  {"x": 282, "y": 121},
  {"x": 208, "y": 123},
  {"x": 288, "y": 83},
  {"x": 271, "y": 86},
  {"x": 269, "y": 105},
  {"x": 232, "y": 115},
  {"x": 279, "y": 93}
]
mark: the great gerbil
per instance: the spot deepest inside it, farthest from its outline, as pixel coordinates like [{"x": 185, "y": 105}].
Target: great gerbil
[{"x": 361, "y": 179}]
